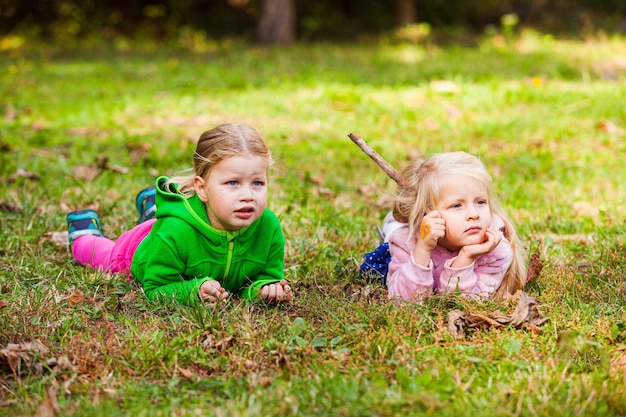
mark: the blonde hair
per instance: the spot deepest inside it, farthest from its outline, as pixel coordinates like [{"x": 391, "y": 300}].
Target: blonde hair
[
  {"x": 419, "y": 194},
  {"x": 215, "y": 145}
]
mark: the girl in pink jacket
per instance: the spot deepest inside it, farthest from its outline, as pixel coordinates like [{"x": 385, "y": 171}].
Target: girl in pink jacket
[{"x": 448, "y": 233}]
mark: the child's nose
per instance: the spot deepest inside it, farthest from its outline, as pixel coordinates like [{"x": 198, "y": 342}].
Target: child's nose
[
  {"x": 472, "y": 213},
  {"x": 246, "y": 193}
]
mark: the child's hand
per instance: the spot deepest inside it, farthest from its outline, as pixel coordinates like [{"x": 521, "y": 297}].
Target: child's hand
[
  {"x": 493, "y": 238},
  {"x": 277, "y": 292},
  {"x": 212, "y": 292},
  {"x": 432, "y": 228}
]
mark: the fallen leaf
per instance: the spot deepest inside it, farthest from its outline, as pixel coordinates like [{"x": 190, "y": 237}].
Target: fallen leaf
[
  {"x": 4, "y": 303},
  {"x": 23, "y": 358},
  {"x": 220, "y": 345},
  {"x": 324, "y": 192},
  {"x": 104, "y": 163},
  {"x": 610, "y": 128},
  {"x": 10, "y": 207},
  {"x": 316, "y": 180},
  {"x": 456, "y": 325},
  {"x": 369, "y": 190},
  {"x": 527, "y": 313},
  {"x": 10, "y": 113},
  {"x": 534, "y": 267},
  {"x": 49, "y": 407},
  {"x": 60, "y": 364},
  {"x": 186, "y": 373},
  {"x": 77, "y": 297},
  {"x": 85, "y": 172},
  {"x": 57, "y": 238},
  {"x": 22, "y": 173}
]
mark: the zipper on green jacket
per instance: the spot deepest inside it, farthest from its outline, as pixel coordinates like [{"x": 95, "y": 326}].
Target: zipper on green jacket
[{"x": 229, "y": 256}]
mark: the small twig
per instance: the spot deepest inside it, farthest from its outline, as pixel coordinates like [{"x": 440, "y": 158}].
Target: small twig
[{"x": 389, "y": 170}]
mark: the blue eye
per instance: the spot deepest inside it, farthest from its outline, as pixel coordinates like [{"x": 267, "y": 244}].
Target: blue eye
[
  {"x": 232, "y": 182},
  {"x": 258, "y": 183}
]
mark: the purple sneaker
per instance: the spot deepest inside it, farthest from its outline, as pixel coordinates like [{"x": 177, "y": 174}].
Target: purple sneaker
[{"x": 83, "y": 222}]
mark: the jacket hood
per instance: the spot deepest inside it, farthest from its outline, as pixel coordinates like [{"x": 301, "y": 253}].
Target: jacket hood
[{"x": 171, "y": 203}]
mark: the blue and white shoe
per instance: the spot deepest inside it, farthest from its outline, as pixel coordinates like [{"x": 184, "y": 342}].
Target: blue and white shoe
[
  {"x": 83, "y": 222},
  {"x": 146, "y": 206}
]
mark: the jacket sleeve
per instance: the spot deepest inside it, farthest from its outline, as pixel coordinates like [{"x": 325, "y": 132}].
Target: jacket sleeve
[
  {"x": 482, "y": 277},
  {"x": 163, "y": 277},
  {"x": 274, "y": 269},
  {"x": 406, "y": 280}
]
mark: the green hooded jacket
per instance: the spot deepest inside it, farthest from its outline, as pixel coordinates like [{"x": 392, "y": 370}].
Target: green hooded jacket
[{"x": 183, "y": 250}]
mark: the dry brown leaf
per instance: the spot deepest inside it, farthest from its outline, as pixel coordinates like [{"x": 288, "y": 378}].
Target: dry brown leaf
[
  {"x": 282, "y": 359},
  {"x": 22, "y": 173},
  {"x": 49, "y": 407},
  {"x": 23, "y": 358},
  {"x": 324, "y": 192},
  {"x": 186, "y": 373},
  {"x": 527, "y": 313},
  {"x": 131, "y": 296},
  {"x": 4, "y": 303},
  {"x": 534, "y": 267},
  {"x": 316, "y": 180},
  {"x": 57, "y": 238},
  {"x": 610, "y": 128},
  {"x": 10, "y": 113},
  {"x": 220, "y": 345},
  {"x": 456, "y": 324},
  {"x": 38, "y": 125},
  {"x": 77, "y": 297},
  {"x": 85, "y": 172},
  {"x": 10, "y": 207},
  {"x": 42, "y": 153},
  {"x": 477, "y": 319},
  {"x": 369, "y": 190},
  {"x": 61, "y": 364},
  {"x": 113, "y": 194}
]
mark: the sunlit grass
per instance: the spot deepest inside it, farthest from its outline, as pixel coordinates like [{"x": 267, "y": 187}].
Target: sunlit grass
[{"x": 545, "y": 115}]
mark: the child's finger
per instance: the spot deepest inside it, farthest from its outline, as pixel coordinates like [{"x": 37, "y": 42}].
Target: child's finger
[
  {"x": 288, "y": 293},
  {"x": 273, "y": 290}
]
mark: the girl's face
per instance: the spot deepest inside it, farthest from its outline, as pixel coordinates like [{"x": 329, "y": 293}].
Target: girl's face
[
  {"x": 464, "y": 206},
  {"x": 235, "y": 192}
]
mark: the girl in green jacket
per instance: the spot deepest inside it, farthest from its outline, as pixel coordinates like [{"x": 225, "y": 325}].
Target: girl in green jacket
[{"x": 212, "y": 234}]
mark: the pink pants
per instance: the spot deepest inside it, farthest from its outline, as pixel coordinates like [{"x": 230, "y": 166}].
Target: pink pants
[{"x": 107, "y": 255}]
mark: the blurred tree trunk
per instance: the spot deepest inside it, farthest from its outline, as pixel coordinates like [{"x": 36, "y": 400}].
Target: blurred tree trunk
[
  {"x": 277, "y": 22},
  {"x": 405, "y": 12}
]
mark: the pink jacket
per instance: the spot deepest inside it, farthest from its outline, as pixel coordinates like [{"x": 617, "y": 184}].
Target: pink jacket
[{"x": 411, "y": 282}]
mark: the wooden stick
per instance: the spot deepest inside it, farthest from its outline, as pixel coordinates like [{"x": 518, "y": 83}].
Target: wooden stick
[{"x": 389, "y": 170}]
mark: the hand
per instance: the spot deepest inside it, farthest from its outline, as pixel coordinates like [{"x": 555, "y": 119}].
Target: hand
[
  {"x": 212, "y": 292},
  {"x": 277, "y": 292},
  {"x": 493, "y": 238},
  {"x": 432, "y": 228}
]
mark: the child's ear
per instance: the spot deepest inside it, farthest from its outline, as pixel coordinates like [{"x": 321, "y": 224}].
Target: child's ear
[{"x": 200, "y": 186}]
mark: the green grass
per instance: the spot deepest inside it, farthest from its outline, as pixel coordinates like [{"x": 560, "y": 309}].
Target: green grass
[{"x": 547, "y": 117}]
